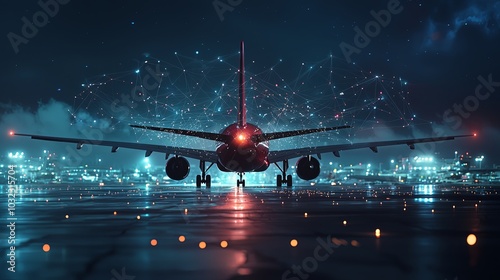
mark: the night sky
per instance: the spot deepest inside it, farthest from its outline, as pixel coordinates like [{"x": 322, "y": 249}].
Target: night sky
[{"x": 431, "y": 65}]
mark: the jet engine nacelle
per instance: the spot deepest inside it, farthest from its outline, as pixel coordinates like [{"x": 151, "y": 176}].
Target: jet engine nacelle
[
  {"x": 307, "y": 168},
  {"x": 177, "y": 168}
]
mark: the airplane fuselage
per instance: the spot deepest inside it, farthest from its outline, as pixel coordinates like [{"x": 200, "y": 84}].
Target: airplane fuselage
[{"x": 243, "y": 153}]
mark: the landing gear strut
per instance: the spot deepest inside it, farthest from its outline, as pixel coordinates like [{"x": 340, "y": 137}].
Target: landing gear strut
[
  {"x": 203, "y": 178},
  {"x": 283, "y": 178},
  {"x": 240, "y": 181}
]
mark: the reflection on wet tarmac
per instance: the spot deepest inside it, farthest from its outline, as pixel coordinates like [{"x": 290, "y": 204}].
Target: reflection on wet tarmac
[{"x": 314, "y": 232}]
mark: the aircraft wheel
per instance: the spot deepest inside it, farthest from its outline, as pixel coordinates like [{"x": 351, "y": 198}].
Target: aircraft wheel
[
  {"x": 289, "y": 181},
  {"x": 198, "y": 181},
  {"x": 208, "y": 181},
  {"x": 279, "y": 181}
]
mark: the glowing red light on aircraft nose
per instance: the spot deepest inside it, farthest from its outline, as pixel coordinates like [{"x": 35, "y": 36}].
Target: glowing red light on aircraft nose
[{"x": 241, "y": 137}]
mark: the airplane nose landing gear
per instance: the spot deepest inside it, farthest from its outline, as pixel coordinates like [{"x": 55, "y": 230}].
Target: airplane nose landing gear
[{"x": 240, "y": 181}]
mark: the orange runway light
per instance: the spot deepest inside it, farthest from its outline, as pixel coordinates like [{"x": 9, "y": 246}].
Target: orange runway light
[
  {"x": 202, "y": 245},
  {"x": 154, "y": 242},
  {"x": 294, "y": 242},
  {"x": 223, "y": 244},
  {"x": 182, "y": 238},
  {"x": 46, "y": 247},
  {"x": 471, "y": 239}
]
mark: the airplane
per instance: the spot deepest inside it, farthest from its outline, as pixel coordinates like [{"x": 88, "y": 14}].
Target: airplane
[{"x": 241, "y": 147}]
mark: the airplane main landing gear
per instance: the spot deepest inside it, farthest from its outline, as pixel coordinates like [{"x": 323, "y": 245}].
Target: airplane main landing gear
[
  {"x": 283, "y": 178},
  {"x": 203, "y": 178},
  {"x": 240, "y": 181}
]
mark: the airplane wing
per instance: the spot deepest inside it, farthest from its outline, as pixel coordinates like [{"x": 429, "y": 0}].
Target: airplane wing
[
  {"x": 205, "y": 155},
  {"x": 276, "y": 156}
]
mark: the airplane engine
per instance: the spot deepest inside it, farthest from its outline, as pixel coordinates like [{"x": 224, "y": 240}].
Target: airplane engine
[
  {"x": 177, "y": 168},
  {"x": 222, "y": 168},
  {"x": 307, "y": 168}
]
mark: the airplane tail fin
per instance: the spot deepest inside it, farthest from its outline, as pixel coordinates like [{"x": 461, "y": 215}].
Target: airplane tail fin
[{"x": 242, "y": 110}]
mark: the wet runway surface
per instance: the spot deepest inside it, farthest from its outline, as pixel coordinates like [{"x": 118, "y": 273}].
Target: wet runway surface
[{"x": 309, "y": 232}]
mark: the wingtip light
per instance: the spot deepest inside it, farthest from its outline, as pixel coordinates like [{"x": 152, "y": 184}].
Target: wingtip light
[
  {"x": 475, "y": 134},
  {"x": 11, "y": 133}
]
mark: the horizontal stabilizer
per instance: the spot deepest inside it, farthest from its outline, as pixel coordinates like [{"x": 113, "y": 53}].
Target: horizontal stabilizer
[
  {"x": 277, "y": 135},
  {"x": 199, "y": 134}
]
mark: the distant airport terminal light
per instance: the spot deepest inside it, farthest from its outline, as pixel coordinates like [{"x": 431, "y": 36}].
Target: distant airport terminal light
[
  {"x": 16, "y": 155},
  {"x": 423, "y": 159}
]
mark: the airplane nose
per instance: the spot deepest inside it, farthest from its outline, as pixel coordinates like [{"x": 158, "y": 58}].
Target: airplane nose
[{"x": 241, "y": 137}]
